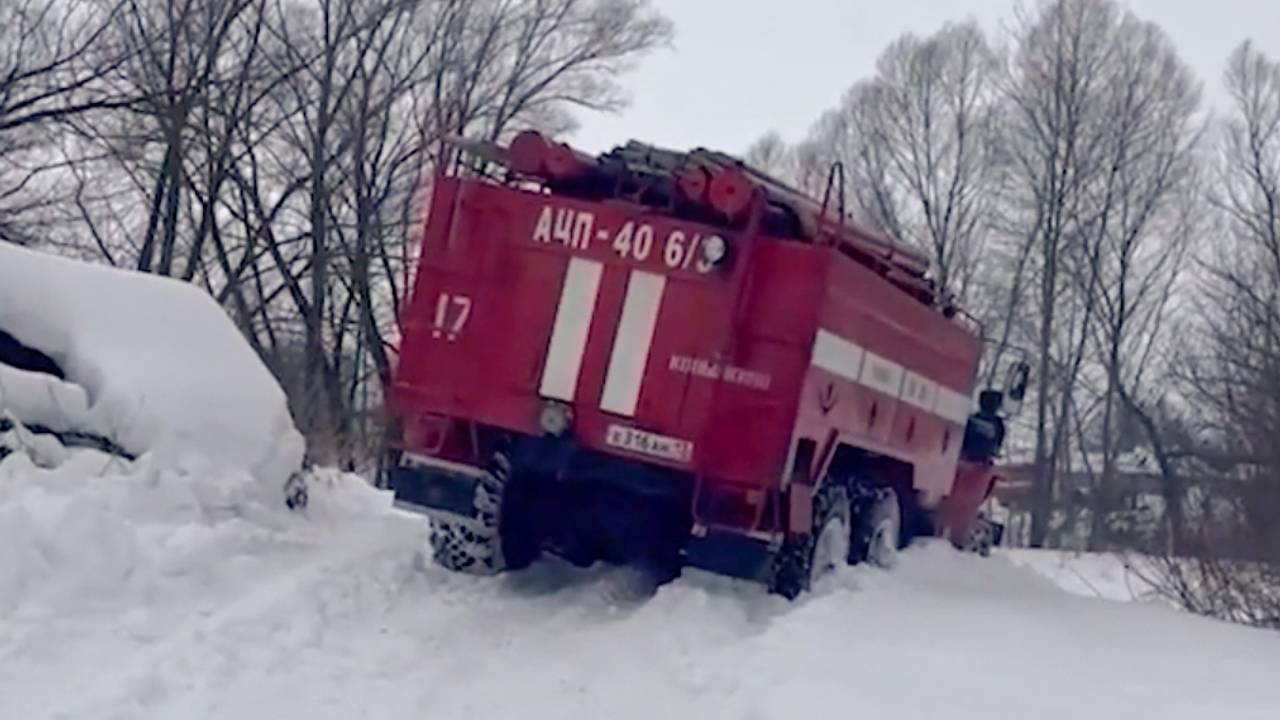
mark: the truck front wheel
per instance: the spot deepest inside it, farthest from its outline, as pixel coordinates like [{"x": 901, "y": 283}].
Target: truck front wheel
[
  {"x": 504, "y": 539},
  {"x": 877, "y": 528}
]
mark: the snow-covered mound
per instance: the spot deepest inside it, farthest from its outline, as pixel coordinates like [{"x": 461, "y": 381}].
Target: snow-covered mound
[
  {"x": 152, "y": 363},
  {"x": 1101, "y": 575},
  {"x": 79, "y": 527},
  {"x": 135, "y": 591},
  {"x": 50, "y": 402}
]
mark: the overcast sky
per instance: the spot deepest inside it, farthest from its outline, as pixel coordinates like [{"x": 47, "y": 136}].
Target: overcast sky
[{"x": 739, "y": 68}]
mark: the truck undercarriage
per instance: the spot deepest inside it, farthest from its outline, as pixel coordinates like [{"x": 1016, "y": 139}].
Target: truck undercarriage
[{"x": 540, "y": 494}]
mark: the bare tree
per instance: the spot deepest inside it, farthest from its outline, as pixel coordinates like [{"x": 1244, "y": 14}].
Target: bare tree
[
  {"x": 1230, "y": 567},
  {"x": 772, "y": 154},
  {"x": 1100, "y": 134},
  {"x": 919, "y": 140},
  {"x": 1054, "y": 94},
  {"x": 1142, "y": 212},
  {"x": 56, "y": 60},
  {"x": 53, "y": 59}
]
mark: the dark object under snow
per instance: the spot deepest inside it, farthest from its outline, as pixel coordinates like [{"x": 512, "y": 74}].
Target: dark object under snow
[{"x": 17, "y": 355}]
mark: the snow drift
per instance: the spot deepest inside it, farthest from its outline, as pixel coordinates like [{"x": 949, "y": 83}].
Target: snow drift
[
  {"x": 142, "y": 592},
  {"x": 153, "y": 364}
]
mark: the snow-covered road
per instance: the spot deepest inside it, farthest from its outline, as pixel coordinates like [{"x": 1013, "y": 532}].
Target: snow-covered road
[{"x": 138, "y": 592}]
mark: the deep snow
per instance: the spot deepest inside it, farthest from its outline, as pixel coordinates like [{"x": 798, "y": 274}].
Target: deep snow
[
  {"x": 152, "y": 363},
  {"x": 38, "y": 399},
  {"x": 138, "y": 591},
  {"x": 1097, "y": 575}
]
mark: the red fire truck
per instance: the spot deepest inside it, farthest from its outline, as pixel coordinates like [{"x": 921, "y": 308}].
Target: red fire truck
[{"x": 663, "y": 357}]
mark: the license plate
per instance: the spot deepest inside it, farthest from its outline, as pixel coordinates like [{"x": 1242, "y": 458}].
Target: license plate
[{"x": 647, "y": 443}]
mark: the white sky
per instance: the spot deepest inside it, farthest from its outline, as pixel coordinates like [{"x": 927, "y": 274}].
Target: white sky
[{"x": 739, "y": 68}]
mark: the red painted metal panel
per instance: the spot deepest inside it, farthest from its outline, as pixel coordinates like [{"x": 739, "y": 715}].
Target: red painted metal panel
[{"x": 698, "y": 383}]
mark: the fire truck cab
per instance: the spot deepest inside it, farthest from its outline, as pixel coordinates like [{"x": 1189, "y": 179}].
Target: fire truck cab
[{"x": 672, "y": 358}]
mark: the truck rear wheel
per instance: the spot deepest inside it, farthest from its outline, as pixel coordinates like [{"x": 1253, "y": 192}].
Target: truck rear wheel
[
  {"x": 503, "y": 541},
  {"x": 877, "y": 528},
  {"x": 806, "y": 557}
]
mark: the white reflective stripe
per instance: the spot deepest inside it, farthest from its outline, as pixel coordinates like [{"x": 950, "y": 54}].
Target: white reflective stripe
[
  {"x": 837, "y": 355},
  {"x": 572, "y": 325},
  {"x": 881, "y": 374},
  {"x": 855, "y": 363},
  {"x": 953, "y": 406},
  {"x": 631, "y": 345},
  {"x": 919, "y": 391}
]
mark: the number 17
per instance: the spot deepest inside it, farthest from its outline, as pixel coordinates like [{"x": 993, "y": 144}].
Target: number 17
[{"x": 450, "y": 324}]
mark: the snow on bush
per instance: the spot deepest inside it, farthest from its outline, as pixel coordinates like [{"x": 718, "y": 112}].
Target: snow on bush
[{"x": 152, "y": 363}]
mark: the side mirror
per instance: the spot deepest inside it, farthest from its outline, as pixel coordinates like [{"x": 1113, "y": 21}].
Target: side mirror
[{"x": 1015, "y": 385}]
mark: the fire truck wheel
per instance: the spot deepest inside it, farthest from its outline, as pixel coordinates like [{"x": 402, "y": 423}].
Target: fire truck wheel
[
  {"x": 877, "y": 528},
  {"x": 501, "y": 542},
  {"x": 462, "y": 549},
  {"x": 981, "y": 537},
  {"x": 806, "y": 557}
]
